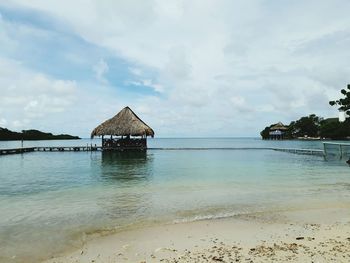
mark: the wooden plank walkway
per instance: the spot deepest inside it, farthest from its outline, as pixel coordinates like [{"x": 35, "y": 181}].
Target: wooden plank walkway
[
  {"x": 68, "y": 148},
  {"x": 99, "y": 148},
  {"x": 16, "y": 150}
]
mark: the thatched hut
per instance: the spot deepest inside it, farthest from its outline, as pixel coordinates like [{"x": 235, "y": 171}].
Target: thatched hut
[
  {"x": 126, "y": 131},
  {"x": 277, "y": 131}
]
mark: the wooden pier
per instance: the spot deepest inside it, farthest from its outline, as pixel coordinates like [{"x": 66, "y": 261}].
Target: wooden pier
[
  {"x": 99, "y": 148},
  {"x": 51, "y": 149},
  {"x": 68, "y": 149},
  {"x": 16, "y": 150}
]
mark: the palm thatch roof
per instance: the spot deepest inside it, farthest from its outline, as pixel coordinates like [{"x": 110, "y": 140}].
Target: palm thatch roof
[
  {"x": 125, "y": 123},
  {"x": 279, "y": 126}
]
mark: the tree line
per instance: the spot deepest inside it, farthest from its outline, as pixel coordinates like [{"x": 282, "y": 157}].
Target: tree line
[{"x": 7, "y": 135}]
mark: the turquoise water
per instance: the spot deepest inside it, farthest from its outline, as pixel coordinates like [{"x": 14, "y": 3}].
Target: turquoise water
[
  {"x": 53, "y": 201},
  {"x": 178, "y": 143}
]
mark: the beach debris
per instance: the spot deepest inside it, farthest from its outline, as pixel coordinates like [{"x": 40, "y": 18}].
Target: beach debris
[
  {"x": 312, "y": 226},
  {"x": 299, "y": 238},
  {"x": 215, "y": 258},
  {"x": 126, "y": 246}
]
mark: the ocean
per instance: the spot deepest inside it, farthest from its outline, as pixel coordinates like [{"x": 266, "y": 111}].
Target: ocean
[{"x": 53, "y": 201}]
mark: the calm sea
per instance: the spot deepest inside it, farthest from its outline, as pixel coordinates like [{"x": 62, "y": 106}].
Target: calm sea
[{"x": 51, "y": 201}]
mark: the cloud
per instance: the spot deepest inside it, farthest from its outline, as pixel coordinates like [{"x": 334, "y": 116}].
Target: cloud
[
  {"x": 147, "y": 83},
  {"x": 135, "y": 71},
  {"x": 213, "y": 66},
  {"x": 28, "y": 95},
  {"x": 3, "y": 122},
  {"x": 100, "y": 69}
]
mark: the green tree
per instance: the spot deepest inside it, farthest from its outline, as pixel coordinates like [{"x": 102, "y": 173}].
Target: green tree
[
  {"x": 333, "y": 129},
  {"x": 306, "y": 126},
  {"x": 265, "y": 133},
  {"x": 343, "y": 103}
]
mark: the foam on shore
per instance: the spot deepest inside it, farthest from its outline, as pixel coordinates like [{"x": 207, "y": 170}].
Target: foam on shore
[{"x": 295, "y": 236}]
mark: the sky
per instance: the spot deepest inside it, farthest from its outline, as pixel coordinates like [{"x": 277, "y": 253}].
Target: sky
[{"x": 198, "y": 68}]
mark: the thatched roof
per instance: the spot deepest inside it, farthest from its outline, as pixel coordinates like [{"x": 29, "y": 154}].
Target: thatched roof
[
  {"x": 126, "y": 122},
  {"x": 279, "y": 126}
]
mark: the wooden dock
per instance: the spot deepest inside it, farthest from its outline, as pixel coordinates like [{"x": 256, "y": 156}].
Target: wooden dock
[
  {"x": 68, "y": 149},
  {"x": 51, "y": 149},
  {"x": 99, "y": 148},
  {"x": 16, "y": 150}
]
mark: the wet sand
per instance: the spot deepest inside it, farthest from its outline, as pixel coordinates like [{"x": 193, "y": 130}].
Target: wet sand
[{"x": 319, "y": 235}]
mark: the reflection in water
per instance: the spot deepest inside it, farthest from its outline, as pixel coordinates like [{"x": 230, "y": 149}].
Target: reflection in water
[
  {"x": 126, "y": 166},
  {"x": 122, "y": 171}
]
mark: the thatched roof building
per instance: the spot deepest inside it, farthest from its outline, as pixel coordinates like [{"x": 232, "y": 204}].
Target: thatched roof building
[
  {"x": 125, "y": 123},
  {"x": 279, "y": 126},
  {"x": 277, "y": 131}
]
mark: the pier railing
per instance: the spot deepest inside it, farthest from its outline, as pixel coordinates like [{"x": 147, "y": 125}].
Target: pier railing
[
  {"x": 301, "y": 151},
  {"x": 336, "y": 150}
]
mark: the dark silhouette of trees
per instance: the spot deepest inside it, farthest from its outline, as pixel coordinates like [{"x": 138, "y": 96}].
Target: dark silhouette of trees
[{"x": 7, "y": 135}]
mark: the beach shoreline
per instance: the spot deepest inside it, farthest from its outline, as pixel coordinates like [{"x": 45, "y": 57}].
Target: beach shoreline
[{"x": 312, "y": 235}]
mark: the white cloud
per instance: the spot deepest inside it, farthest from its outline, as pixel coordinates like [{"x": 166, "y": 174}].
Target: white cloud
[
  {"x": 100, "y": 69},
  {"x": 147, "y": 83},
  {"x": 28, "y": 95},
  {"x": 3, "y": 122},
  {"x": 221, "y": 63},
  {"x": 136, "y": 71}
]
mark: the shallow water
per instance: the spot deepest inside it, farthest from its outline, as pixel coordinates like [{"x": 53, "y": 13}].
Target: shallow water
[
  {"x": 178, "y": 143},
  {"x": 52, "y": 201}
]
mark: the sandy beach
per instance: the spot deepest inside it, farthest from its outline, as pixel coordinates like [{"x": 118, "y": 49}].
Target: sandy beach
[{"x": 318, "y": 235}]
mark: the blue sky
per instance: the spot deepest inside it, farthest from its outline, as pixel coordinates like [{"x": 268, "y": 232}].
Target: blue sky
[{"x": 188, "y": 68}]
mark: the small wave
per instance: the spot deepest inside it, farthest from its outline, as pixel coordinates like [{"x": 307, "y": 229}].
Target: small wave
[{"x": 208, "y": 217}]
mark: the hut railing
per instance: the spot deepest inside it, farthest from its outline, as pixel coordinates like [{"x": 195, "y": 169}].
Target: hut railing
[{"x": 124, "y": 143}]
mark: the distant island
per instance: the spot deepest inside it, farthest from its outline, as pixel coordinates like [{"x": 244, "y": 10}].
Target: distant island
[
  {"x": 315, "y": 127},
  {"x": 31, "y": 135},
  {"x": 309, "y": 127}
]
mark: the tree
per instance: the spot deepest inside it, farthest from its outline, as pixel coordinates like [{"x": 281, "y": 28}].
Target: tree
[
  {"x": 333, "y": 129},
  {"x": 343, "y": 103},
  {"x": 306, "y": 126},
  {"x": 265, "y": 133}
]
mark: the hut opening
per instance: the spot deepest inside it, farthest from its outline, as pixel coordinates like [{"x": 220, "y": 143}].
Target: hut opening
[{"x": 124, "y": 131}]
